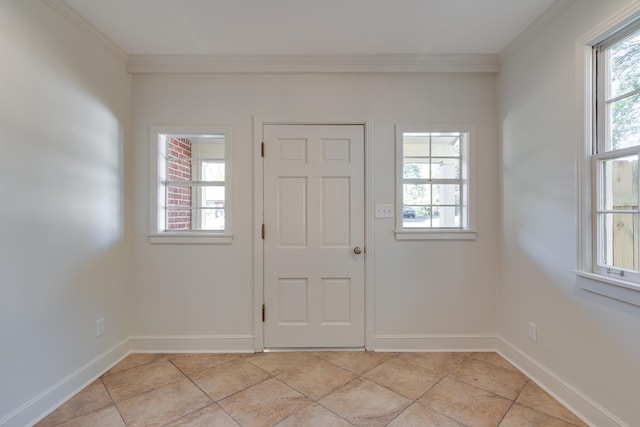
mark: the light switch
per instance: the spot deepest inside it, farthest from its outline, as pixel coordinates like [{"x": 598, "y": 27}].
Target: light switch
[{"x": 384, "y": 211}]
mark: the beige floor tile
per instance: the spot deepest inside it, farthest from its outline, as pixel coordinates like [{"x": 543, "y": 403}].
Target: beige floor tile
[
  {"x": 521, "y": 416},
  {"x": 264, "y": 404},
  {"x": 224, "y": 380},
  {"x": 404, "y": 378},
  {"x": 90, "y": 399},
  {"x": 358, "y": 361},
  {"x": 163, "y": 404},
  {"x": 316, "y": 379},
  {"x": 503, "y": 382},
  {"x": 133, "y": 360},
  {"x": 191, "y": 364},
  {"x": 418, "y": 415},
  {"x": 276, "y": 362},
  {"x": 125, "y": 384},
  {"x": 314, "y": 415},
  {"x": 494, "y": 359},
  {"x": 106, "y": 417},
  {"x": 209, "y": 416},
  {"x": 364, "y": 403},
  {"x": 440, "y": 363},
  {"x": 536, "y": 398},
  {"x": 364, "y": 388},
  {"x": 466, "y": 404}
]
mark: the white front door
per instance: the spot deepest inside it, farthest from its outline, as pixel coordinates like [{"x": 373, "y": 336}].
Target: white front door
[{"x": 314, "y": 235}]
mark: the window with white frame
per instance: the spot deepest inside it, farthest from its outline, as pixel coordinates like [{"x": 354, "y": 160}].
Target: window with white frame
[
  {"x": 192, "y": 188},
  {"x": 433, "y": 185},
  {"x": 616, "y": 152}
]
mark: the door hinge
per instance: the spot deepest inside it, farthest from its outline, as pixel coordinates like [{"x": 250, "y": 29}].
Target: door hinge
[
  {"x": 262, "y": 231},
  {"x": 262, "y": 150},
  {"x": 263, "y": 313}
]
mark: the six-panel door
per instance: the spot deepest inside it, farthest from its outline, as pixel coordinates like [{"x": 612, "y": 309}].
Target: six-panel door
[{"x": 314, "y": 219}]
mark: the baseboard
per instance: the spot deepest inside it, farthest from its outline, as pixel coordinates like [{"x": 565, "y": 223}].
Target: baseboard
[
  {"x": 580, "y": 404},
  {"x": 433, "y": 343},
  {"x": 47, "y": 401},
  {"x": 193, "y": 344}
]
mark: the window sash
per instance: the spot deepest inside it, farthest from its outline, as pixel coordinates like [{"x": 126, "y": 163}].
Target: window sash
[
  {"x": 606, "y": 238},
  {"x": 604, "y": 100}
]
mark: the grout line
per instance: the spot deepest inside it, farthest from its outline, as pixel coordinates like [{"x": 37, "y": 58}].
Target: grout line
[
  {"x": 113, "y": 401},
  {"x": 212, "y": 402},
  {"x": 358, "y": 377}
]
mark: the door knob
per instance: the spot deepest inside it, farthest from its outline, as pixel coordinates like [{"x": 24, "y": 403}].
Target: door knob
[{"x": 357, "y": 250}]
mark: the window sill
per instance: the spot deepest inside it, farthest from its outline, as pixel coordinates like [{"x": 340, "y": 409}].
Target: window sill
[
  {"x": 617, "y": 289},
  {"x": 436, "y": 235},
  {"x": 191, "y": 238}
]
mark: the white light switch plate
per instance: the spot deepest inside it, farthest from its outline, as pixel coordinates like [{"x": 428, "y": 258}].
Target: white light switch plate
[{"x": 384, "y": 211}]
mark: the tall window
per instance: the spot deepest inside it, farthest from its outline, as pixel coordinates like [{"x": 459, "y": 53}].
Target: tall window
[
  {"x": 192, "y": 184},
  {"x": 616, "y": 152},
  {"x": 433, "y": 180}
]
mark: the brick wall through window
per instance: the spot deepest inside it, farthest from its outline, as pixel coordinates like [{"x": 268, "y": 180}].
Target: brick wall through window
[{"x": 179, "y": 170}]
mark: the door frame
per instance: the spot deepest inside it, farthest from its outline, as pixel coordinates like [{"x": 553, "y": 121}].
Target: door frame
[{"x": 258, "y": 209}]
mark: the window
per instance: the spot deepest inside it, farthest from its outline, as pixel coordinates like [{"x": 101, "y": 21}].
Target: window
[
  {"x": 433, "y": 185},
  {"x": 616, "y": 151},
  {"x": 192, "y": 189}
]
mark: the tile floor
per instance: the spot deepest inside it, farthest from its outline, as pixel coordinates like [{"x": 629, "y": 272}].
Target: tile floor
[{"x": 313, "y": 389}]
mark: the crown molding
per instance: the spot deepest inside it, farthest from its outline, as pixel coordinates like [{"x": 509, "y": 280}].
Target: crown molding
[
  {"x": 547, "y": 16},
  {"x": 74, "y": 17},
  {"x": 615, "y": 23},
  {"x": 194, "y": 64}
]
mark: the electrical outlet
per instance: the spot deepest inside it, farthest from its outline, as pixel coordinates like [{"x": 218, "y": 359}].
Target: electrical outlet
[
  {"x": 384, "y": 211},
  {"x": 533, "y": 331},
  {"x": 99, "y": 326}
]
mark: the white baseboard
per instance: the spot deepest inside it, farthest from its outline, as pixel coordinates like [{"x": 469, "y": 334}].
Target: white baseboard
[
  {"x": 580, "y": 404},
  {"x": 45, "y": 402},
  {"x": 433, "y": 343},
  {"x": 193, "y": 344}
]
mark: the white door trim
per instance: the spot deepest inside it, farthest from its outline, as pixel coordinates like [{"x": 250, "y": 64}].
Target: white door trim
[{"x": 258, "y": 209}]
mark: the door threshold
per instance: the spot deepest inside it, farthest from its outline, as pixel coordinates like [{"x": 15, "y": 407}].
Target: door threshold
[{"x": 301, "y": 349}]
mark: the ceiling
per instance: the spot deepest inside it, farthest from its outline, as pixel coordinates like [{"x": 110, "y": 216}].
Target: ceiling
[{"x": 306, "y": 27}]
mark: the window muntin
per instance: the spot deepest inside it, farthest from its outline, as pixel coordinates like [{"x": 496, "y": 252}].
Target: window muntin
[
  {"x": 192, "y": 196},
  {"x": 616, "y": 214},
  {"x": 433, "y": 182}
]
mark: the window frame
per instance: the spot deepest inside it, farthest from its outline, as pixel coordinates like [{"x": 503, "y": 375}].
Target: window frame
[
  {"x": 157, "y": 217},
  {"x": 467, "y": 230},
  {"x": 592, "y": 144}
]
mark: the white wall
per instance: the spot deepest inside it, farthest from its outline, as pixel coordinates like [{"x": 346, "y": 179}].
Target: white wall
[
  {"x": 421, "y": 288},
  {"x": 68, "y": 239},
  {"x": 71, "y": 229},
  {"x": 64, "y": 117},
  {"x": 590, "y": 342}
]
